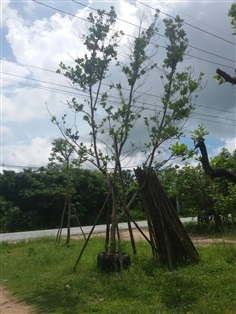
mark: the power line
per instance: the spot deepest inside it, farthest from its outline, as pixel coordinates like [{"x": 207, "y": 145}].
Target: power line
[
  {"x": 41, "y": 81},
  {"x": 143, "y": 105},
  {"x": 119, "y": 19},
  {"x": 208, "y": 115},
  {"x": 214, "y": 121},
  {"x": 209, "y": 61},
  {"x": 211, "y": 53},
  {"x": 19, "y": 166},
  {"x": 53, "y": 71},
  {"x": 199, "y": 49},
  {"x": 193, "y": 26},
  {"x": 201, "y": 22},
  {"x": 83, "y": 93},
  {"x": 30, "y": 66},
  {"x": 78, "y": 17},
  {"x": 48, "y": 88}
]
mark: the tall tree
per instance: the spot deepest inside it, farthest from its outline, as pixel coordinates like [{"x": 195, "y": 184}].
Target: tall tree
[
  {"x": 111, "y": 124},
  {"x": 109, "y": 134}
]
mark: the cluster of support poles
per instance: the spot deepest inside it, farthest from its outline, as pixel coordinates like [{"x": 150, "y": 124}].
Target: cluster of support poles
[
  {"x": 68, "y": 208},
  {"x": 168, "y": 239},
  {"x": 106, "y": 205}
]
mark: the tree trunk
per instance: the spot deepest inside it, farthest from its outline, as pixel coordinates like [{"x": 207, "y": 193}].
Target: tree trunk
[
  {"x": 113, "y": 217},
  {"x": 68, "y": 219}
]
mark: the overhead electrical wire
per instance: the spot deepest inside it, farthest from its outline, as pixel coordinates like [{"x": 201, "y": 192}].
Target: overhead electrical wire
[
  {"x": 75, "y": 91},
  {"x": 48, "y": 88},
  {"x": 135, "y": 106},
  {"x": 78, "y": 17},
  {"x": 190, "y": 16},
  {"x": 210, "y": 61},
  {"x": 193, "y": 26},
  {"x": 29, "y": 66},
  {"x": 146, "y": 94},
  {"x": 119, "y": 19},
  {"x": 144, "y": 105},
  {"x": 19, "y": 166}
]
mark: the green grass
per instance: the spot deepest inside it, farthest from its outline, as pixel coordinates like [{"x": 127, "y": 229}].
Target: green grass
[{"x": 40, "y": 273}]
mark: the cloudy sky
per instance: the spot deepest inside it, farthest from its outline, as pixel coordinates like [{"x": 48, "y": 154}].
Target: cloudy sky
[{"x": 37, "y": 36}]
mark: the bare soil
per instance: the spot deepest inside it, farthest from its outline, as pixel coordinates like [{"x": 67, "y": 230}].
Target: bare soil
[
  {"x": 203, "y": 241},
  {"x": 11, "y": 305}
]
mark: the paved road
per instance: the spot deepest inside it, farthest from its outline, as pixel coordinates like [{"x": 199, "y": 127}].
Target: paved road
[{"x": 26, "y": 235}]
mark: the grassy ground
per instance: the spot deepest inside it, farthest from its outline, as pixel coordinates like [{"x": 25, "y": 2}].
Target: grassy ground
[{"x": 40, "y": 273}]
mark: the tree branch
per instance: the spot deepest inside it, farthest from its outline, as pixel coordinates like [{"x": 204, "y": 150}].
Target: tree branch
[
  {"x": 209, "y": 171},
  {"x": 226, "y": 76}
]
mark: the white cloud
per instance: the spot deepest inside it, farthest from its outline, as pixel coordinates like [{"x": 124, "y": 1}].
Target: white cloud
[
  {"x": 3, "y": 11},
  {"x": 230, "y": 144},
  {"x": 7, "y": 135},
  {"x": 44, "y": 42},
  {"x": 36, "y": 153},
  {"x": 24, "y": 99},
  {"x": 24, "y": 104}
]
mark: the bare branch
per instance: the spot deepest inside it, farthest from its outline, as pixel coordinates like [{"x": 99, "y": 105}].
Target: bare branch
[
  {"x": 209, "y": 171},
  {"x": 226, "y": 76}
]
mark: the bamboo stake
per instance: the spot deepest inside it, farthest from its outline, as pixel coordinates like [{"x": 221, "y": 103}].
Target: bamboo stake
[
  {"x": 91, "y": 232},
  {"x": 169, "y": 236}
]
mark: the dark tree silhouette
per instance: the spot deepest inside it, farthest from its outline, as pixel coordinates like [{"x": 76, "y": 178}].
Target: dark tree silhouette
[
  {"x": 209, "y": 171},
  {"x": 226, "y": 76}
]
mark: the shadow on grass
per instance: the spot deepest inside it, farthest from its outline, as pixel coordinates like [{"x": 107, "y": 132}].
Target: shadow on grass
[
  {"x": 54, "y": 301},
  {"x": 178, "y": 292}
]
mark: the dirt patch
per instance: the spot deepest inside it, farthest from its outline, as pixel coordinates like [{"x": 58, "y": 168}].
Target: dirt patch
[
  {"x": 203, "y": 241},
  {"x": 10, "y": 305},
  {"x": 124, "y": 234}
]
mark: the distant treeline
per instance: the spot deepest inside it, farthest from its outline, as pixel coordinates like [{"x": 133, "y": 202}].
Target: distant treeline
[{"x": 31, "y": 200}]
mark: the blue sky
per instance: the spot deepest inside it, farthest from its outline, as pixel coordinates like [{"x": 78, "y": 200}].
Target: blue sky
[{"x": 35, "y": 38}]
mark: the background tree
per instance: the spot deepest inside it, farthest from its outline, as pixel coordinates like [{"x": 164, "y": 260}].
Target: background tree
[
  {"x": 209, "y": 200},
  {"x": 33, "y": 200},
  {"x": 61, "y": 156}
]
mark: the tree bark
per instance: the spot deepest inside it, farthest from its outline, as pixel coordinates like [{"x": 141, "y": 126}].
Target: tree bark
[
  {"x": 226, "y": 76},
  {"x": 209, "y": 171}
]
